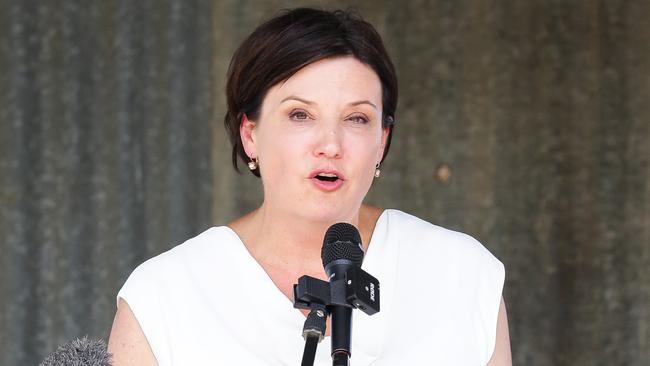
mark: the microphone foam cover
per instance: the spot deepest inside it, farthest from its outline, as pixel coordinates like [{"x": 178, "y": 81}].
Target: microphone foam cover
[
  {"x": 80, "y": 352},
  {"x": 342, "y": 241}
]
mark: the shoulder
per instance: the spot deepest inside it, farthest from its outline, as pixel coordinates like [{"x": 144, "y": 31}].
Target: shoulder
[
  {"x": 166, "y": 283},
  {"x": 429, "y": 248},
  {"x": 462, "y": 278},
  {"x": 190, "y": 262},
  {"x": 194, "y": 251},
  {"x": 415, "y": 233}
]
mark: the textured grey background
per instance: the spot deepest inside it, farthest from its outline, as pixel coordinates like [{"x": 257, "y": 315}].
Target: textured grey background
[{"x": 112, "y": 151}]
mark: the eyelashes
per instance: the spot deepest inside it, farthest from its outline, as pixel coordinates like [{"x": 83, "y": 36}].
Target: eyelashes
[
  {"x": 359, "y": 119},
  {"x": 301, "y": 116},
  {"x": 298, "y": 115}
]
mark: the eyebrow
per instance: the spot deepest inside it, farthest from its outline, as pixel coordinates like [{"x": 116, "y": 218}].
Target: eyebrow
[{"x": 309, "y": 102}]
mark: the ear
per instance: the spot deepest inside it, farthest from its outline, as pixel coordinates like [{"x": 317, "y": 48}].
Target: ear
[
  {"x": 384, "y": 138},
  {"x": 247, "y": 135}
]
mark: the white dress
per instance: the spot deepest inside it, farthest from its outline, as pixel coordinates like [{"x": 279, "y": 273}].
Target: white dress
[{"x": 208, "y": 302}]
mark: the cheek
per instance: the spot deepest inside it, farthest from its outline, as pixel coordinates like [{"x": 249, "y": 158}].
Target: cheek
[
  {"x": 365, "y": 152},
  {"x": 282, "y": 156},
  {"x": 366, "y": 149}
]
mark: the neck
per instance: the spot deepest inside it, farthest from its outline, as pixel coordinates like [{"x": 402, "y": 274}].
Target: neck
[
  {"x": 290, "y": 244},
  {"x": 290, "y": 241}
]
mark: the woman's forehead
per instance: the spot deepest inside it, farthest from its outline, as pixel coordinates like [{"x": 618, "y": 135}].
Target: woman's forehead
[{"x": 343, "y": 79}]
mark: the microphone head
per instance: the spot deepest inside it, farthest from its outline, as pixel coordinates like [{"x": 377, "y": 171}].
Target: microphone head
[
  {"x": 80, "y": 352},
  {"x": 342, "y": 241}
]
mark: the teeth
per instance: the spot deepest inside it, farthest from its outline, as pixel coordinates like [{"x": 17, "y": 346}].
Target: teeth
[{"x": 329, "y": 175}]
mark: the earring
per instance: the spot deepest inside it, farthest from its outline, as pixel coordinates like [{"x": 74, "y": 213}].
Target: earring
[
  {"x": 252, "y": 165},
  {"x": 377, "y": 171}
]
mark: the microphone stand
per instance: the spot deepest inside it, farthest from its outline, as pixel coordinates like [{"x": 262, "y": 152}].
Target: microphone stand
[{"x": 341, "y": 335}]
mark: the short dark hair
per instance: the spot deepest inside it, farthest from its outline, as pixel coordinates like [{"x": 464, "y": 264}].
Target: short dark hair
[{"x": 281, "y": 46}]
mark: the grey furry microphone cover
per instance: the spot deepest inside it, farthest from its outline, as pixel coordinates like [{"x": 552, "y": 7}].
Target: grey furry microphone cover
[{"x": 79, "y": 352}]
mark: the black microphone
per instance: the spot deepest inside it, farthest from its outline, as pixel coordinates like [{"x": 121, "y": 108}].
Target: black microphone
[
  {"x": 80, "y": 352},
  {"x": 341, "y": 252}
]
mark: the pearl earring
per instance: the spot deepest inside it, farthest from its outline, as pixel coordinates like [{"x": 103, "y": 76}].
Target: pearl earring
[
  {"x": 252, "y": 165},
  {"x": 377, "y": 171}
]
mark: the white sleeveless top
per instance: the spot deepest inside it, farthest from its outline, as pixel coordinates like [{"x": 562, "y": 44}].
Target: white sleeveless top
[{"x": 208, "y": 302}]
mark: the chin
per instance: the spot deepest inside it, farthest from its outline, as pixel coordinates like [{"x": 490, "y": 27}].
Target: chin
[{"x": 329, "y": 213}]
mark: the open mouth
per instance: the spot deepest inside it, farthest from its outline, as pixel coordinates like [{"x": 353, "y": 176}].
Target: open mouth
[
  {"x": 328, "y": 181},
  {"x": 325, "y": 177}
]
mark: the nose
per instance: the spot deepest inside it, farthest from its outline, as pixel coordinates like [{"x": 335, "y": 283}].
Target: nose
[{"x": 329, "y": 143}]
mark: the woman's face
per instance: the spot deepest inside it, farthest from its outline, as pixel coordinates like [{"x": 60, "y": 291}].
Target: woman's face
[{"x": 318, "y": 139}]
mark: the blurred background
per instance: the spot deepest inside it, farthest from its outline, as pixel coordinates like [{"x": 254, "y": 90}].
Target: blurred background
[{"x": 523, "y": 123}]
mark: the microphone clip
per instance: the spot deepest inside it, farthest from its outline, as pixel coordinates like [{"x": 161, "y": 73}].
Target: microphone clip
[{"x": 357, "y": 289}]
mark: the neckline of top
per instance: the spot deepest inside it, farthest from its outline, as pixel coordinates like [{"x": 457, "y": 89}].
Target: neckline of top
[{"x": 368, "y": 257}]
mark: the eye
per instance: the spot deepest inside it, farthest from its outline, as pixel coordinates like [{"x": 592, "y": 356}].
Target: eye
[
  {"x": 358, "y": 119},
  {"x": 299, "y": 115}
]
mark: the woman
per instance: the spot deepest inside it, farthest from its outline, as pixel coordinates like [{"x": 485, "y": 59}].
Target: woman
[{"x": 311, "y": 104}]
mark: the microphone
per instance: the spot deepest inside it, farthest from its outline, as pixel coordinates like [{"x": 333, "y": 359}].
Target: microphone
[
  {"x": 341, "y": 252},
  {"x": 80, "y": 352}
]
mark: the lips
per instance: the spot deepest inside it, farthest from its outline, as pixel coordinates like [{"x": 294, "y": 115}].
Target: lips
[
  {"x": 327, "y": 180},
  {"x": 326, "y": 173}
]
